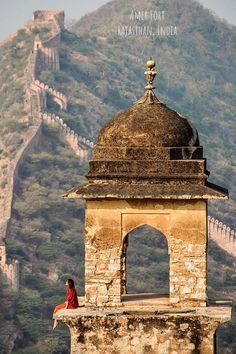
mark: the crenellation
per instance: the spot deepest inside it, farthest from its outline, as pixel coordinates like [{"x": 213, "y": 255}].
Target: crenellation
[
  {"x": 81, "y": 146},
  {"x": 222, "y": 235},
  {"x": 58, "y": 97}
]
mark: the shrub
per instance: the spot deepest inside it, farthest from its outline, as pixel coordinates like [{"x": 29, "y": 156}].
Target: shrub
[{"x": 50, "y": 251}]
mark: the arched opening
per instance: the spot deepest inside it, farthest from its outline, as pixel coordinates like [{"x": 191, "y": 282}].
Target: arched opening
[{"x": 145, "y": 264}]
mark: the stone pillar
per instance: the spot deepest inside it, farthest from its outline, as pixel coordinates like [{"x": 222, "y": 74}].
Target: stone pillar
[{"x": 102, "y": 257}]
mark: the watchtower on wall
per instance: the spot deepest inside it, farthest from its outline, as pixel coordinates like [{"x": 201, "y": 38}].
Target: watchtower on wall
[
  {"x": 41, "y": 16},
  {"x": 148, "y": 169},
  {"x": 46, "y": 51}
]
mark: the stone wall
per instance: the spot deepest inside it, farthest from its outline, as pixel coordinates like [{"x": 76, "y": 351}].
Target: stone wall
[
  {"x": 34, "y": 102},
  {"x": 107, "y": 226},
  {"x": 58, "y": 97},
  {"x": 223, "y": 235},
  {"x": 144, "y": 330},
  {"x": 10, "y": 271},
  {"x": 31, "y": 141},
  {"x": 43, "y": 56},
  {"x": 81, "y": 146},
  {"x": 48, "y": 58}
]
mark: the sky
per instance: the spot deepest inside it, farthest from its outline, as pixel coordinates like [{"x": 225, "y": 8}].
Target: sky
[{"x": 14, "y": 13}]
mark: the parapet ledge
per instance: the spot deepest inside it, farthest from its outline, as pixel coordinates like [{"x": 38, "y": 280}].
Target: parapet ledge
[{"x": 219, "y": 312}]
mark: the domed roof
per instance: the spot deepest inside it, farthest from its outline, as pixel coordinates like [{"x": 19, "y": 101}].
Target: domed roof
[
  {"x": 148, "y": 123},
  {"x": 148, "y": 151}
]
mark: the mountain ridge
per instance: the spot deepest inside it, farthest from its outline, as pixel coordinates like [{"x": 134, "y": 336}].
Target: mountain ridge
[
  {"x": 191, "y": 71},
  {"x": 90, "y": 83}
]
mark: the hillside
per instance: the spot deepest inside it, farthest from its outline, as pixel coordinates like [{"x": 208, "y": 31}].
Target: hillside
[
  {"x": 13, "y": 118},
  {"x": 196, "y": 77},
  {"x": 50, "y": 248},
  {"x": 196, "y": 74}
]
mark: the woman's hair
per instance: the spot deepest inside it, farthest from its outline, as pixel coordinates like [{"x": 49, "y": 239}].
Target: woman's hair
[{"x": 71, "y": 283}]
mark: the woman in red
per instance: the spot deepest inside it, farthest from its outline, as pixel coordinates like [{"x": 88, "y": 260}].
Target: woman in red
[{"x": 71, "y": 300}]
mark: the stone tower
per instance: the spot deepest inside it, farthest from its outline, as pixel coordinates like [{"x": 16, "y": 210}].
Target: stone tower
[{"x": 148, "y": 168}]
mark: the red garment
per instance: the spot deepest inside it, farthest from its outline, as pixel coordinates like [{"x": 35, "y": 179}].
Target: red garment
[
  {"x": 71, "y": 297},
  {"x": 59, "y": 307}
]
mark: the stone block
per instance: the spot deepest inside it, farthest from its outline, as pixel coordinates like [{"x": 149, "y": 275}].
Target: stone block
[{"x": 130, "y": 221}]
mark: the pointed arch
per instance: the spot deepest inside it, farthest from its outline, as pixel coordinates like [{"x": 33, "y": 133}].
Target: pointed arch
[{"x": 145, "y": 261}]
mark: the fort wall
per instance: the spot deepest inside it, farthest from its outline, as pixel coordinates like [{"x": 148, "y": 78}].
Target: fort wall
[
  {"x": 223, "y": 235},
  {"x": 44, "y": 56},
  {"x": 80, "y": 145},
  {"x": 35, "y": 101},
  {"x": 58, "y": 97}
]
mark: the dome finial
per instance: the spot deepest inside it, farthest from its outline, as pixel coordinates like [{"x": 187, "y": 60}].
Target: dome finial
[{"x": 150, "y": 74}]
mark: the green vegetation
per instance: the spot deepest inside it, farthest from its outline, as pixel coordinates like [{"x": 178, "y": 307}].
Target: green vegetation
[
  {"x": 101, "y": 73},
  {"x": 46, "y": 238},
  {"x": 76, "y": 43},
  {"x": 54, "y": 78},
  {"x": 195, "y": 75},
  {"x": 222, "y": 286},
  {"x": 13, "y": 125}
]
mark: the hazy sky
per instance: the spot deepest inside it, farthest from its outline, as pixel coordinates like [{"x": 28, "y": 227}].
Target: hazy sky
[{"x": 14, "y": 13}]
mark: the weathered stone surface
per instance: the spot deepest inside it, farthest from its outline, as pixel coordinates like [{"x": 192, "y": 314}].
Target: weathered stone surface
[
  {"x": 144, "y": 329},
  {"x": 148, "y": 168},
  {"x": 161, "y": 189},
  {"x": 145, "y": 125},
  {"x": 148, "y": 151},
  {"x": 106, "y": 247},
  {"x": 108, "y": 153}
]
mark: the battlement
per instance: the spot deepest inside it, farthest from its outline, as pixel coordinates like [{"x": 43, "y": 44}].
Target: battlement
[
  {"x": 58, "y": 97},
  {"x": 80, "y": 145},
  {"x": 223, "y": 235}
]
